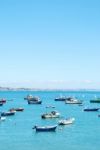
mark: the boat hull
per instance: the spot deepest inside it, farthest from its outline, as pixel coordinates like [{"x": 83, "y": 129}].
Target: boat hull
[
  {"x": 60, "y": 99},
  {"x": 94, "y": 101},
  {"x": 34, "y": 102},
  {"x": 91, "y": 109},
  {"x": 68, "y": 102},
  {"x": 7, "y": 113},
  {"x": 16, "y": 109},
  {"x": 45, "y": 129}
]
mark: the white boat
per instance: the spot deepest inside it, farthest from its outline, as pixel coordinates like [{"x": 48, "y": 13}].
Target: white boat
[
  {"x": 2, "y": 118},
  {"x": 52, "y": 114},
  {"x": 66, "y": 121},
  {"x": 73, "y": 101}
]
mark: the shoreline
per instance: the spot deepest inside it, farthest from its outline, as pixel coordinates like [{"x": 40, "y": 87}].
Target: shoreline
[{"x": 40, "y": 89}]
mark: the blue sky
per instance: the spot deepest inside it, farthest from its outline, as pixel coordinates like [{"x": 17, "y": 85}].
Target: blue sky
[{"x": 50, "y": 43}]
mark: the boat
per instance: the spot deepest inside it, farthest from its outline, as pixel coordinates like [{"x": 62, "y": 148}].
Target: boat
[
  {"x": 2, "y": 119},
  {"x": 95, "y": 100},
  {"x": 31, "y": 97},
  {"x": 34, "y": 102},
  {"x": 66, "y": 121},
  {"x": 1, "y": 104},
  {"x": 91, "y": 109},
  {"x": 2, "y": 100},
  {"x": 61, "y": 98},
  {"x": 72, "y": 100},
  {"x": 12, "y": 110},
  {"x": 16, "y": 109},
  {"x": 45, "y": 128},
  {"x": 52, "y": 114},
  {"x": 9, "y": 113},
  {"x": 19, "y": 109}
]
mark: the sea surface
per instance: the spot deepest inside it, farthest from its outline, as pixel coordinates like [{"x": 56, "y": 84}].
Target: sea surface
[{"x": 16, "y": 132}]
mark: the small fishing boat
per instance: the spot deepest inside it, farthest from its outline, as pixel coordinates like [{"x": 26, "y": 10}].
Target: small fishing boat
[
  {"x": 61, "y": 98},
  {"x": 16, "y": 109},
  {"x": 95, "y": 100},
  {"x": 32, "y": 98},
  {"x": 9, "y": 113},
  {"x": 34, "y": 102},
  {"x": 1, "y": 104},
  {"x": 19, "y": 109},
  {"x": 66, "y": 121},
  {"x": 3, "y": 100},
  {"x": 45, "y": 128},
  {"x": 2, "y": 119},
  {"x": 91, "y": 109},
  {"x": 72, "y": 100},
  {"x": 52, "y": 114}
]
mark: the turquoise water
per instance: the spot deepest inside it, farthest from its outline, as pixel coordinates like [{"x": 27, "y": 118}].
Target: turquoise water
[{"x": 16, "y": 132}]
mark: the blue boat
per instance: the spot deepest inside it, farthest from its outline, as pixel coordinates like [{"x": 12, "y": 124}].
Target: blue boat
[{"x": 45, "y": 128}]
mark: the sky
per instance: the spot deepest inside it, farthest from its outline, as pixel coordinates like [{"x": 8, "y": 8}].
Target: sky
[{"x": 50, "y": 44}]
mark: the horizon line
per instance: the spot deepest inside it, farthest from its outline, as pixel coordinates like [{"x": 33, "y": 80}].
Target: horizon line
[{"x": 47, "y": 89}]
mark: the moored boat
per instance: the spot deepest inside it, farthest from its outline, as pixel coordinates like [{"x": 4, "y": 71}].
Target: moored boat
[
  {"x": 45, "y": 128},
  {"x": 61, "y": 98},
  {"x": 95, "y": 100},
  {"x": 17, "y": 109},
  {"x": 66, "y": 121},
  {"x": 72, "y": 100},
  {"x": 91, "y": 109},
  {"x": 2, "y": 100},
  {"x": 32, "y": 98},
  {"x": 8, "y": 113},
  {"x": 34, "y": 102},
  {"x": 52, "y": 114}
]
